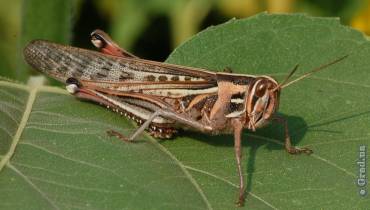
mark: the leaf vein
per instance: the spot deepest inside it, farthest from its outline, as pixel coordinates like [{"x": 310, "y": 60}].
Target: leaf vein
[
  {"x": 334, "y": 165},
  {"x": 10, "y": 115},
  {"x": 61, "y": 131},
  {"x": 76, "y": 187},
  {"x": 12, "y": 97},
  {"x": 6, "y": 131},
  {"x": 182, "y": 167},
  {"x": 230, "y": 183},
  {"x": 33, "y": 185},
  {"x": 70, "y": 159}
]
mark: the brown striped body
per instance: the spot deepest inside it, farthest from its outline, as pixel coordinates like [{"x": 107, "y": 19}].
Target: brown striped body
[{"x": 142, "y": 86}]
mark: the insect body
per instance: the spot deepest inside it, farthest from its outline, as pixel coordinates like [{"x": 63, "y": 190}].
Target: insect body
[{"x": 162, "y": 97}]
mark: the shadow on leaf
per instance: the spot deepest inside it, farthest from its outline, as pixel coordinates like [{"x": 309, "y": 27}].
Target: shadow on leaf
[{"x": 271, "y": 136}]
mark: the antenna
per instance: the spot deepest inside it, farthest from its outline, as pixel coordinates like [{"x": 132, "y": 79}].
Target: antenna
[
  {"x": 286, "y": 78},
  {"x": 284, "y": 84}
]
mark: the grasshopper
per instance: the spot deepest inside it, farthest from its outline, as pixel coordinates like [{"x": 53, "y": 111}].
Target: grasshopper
[{"x": 162, "y": 98}]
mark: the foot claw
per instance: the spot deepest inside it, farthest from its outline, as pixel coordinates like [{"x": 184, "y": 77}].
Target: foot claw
[
  {"x": 118, "y": 135},
  {"x": 294, "y": 150},
  {"x": 239, "y": 203}
]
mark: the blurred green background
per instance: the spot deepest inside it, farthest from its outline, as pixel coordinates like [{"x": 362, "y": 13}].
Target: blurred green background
[{"x": 150, "y": 29}]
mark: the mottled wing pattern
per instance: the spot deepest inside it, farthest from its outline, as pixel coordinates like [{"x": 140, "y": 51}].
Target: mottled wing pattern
[
  {"x": 132, "y": 87},
  {"x": 116, "y": 73}
]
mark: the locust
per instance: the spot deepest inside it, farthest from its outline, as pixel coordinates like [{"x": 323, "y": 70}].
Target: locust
[{"x": 163, "y": 98}]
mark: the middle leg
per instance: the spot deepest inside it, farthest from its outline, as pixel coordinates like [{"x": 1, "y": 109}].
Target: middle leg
[{"x": 238, "y": 128}]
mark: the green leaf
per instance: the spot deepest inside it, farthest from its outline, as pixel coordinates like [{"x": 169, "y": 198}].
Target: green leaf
[{"x": 56, "y": 155}]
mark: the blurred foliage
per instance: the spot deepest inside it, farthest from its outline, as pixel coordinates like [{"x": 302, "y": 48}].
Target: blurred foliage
[
  {"x": 9, "y": 26},
  {"x": 361, "y": 20},
  {"x": 149, "y": 28}
]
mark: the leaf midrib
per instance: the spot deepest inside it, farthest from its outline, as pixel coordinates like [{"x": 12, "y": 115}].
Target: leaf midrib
[
  {"x": 27, "y": 111},
  {"x": 22, "y": 125},
  {"x": 5, "y": 161}
]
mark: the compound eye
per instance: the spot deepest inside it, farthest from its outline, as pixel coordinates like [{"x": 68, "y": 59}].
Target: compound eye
[{"x": 261, "y": 89}]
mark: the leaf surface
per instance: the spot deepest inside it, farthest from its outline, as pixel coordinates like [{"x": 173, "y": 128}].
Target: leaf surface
[{"x": 55, "y": 153}]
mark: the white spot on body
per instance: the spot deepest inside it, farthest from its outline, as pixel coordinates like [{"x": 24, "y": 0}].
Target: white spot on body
[
  {"x": 72, "y": 88},
  {"x": 237, "y": 100}
]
